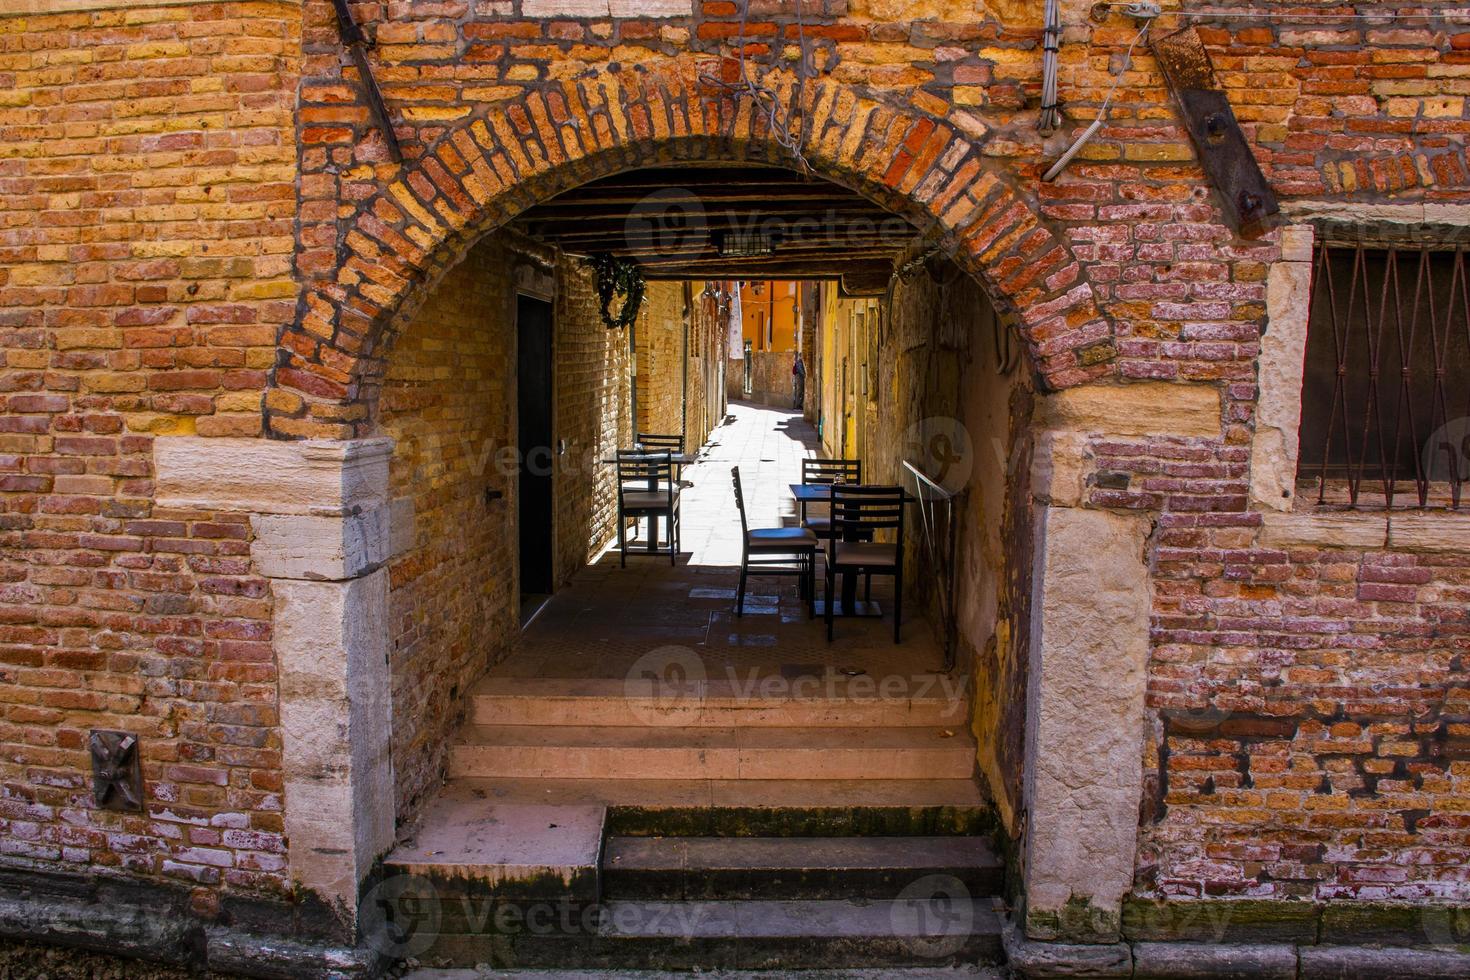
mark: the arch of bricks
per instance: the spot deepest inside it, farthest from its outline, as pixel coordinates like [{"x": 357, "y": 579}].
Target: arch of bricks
[{"x": 911, "y": 158}]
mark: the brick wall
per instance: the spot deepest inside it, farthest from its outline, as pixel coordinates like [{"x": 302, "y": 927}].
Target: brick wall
[
  {"x": 156, "y": 189},
  {"x": 592, "y": 414},
  {"x": 770, "y": 378},
  {"x": 147, "y": 168},
  {"x": 1308, "y": 731},
  {"x": 661, "y": 368},
  {"x": 148, "y": 268},
  {"x": 448, "y": 402},
  {"x": 708, "y": 339}
]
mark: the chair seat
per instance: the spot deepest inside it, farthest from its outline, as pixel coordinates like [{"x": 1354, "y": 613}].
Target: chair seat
[
  {"x": 780, "y": 538},
  {"x": 648, "y": 500},
  {"x": 819, "y": 523},
  {"x": 865, "y": 554}
]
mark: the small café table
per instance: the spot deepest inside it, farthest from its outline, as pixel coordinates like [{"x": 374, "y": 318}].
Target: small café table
[{"x": 678, "y": 459}]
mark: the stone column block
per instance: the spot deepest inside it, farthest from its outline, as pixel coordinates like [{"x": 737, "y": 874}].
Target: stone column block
[
  {"x": 1085, "y": 721},
  {"x": 331, "y": 639},
  {"x": 1279, "y": 373}
]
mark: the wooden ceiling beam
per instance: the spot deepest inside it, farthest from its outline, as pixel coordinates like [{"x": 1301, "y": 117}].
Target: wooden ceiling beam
[
  {"x": 756, "y": 269},
  {"x": 699, "y": 244},
  {"x": 747, "y": 215}
]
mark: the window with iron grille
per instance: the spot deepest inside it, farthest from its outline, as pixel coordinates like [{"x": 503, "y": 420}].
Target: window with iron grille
[{"x": 1386, "y": 387}]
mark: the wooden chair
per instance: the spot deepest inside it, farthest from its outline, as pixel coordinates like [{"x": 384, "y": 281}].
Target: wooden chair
[
  {"x": 647, "y": 488},
  {"x": 827, "y": 471},
  {"x": 770, "y": 551},
  {"x": 858, "y": 513},
  {"x": 659, "y": 442}
]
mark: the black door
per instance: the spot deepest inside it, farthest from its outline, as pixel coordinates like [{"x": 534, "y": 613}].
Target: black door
[{"x": 534, "y": 436}]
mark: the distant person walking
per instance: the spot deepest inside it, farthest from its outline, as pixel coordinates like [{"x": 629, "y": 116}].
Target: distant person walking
[{"x": 798, "y": 381}]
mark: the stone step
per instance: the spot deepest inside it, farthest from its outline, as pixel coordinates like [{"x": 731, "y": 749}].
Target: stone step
[
  {"x": 749, "y": 807},
  {"x": 700, "y": 868},
  {"x": 829, "y": 700},
  {"x": 918, "y": 930},
  {"x": 467, "y": 846},
  {"x": 573, "y": 752}
]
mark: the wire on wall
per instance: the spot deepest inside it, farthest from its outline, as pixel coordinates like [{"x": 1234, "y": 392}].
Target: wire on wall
[
  {"x": 1147, "y": 16},
  {"x": 767, "y": 101},
  {"x": 1050, "y": 118}
]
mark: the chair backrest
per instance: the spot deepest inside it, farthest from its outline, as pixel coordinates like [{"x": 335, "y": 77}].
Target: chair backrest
[
  {"x": 661, "y": 442},
  {"x": 640, "y": 472},
  {"x": 739, "y": 500},
  {"x": 831, "y": 471},
  {"x": 858, "y": 511}
]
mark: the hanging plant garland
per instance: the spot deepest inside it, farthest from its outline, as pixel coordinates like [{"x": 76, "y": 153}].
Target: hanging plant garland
[{"x": 618, "y": 276}]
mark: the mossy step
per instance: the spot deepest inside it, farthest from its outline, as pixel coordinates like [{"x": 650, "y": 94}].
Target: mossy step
[{"x": 793, "y": 867}]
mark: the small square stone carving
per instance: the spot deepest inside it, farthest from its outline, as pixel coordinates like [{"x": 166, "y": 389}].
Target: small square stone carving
[{"x": 117, "y": 770}]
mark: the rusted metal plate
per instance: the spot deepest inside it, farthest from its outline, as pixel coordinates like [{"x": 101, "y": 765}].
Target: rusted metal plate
[
  {"x": 117, "y": 771},
  {"x": 1245, "y": 196}
]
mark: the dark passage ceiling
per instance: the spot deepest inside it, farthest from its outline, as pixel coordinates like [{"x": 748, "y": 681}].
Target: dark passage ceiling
[{"x": 725, "y": 222}]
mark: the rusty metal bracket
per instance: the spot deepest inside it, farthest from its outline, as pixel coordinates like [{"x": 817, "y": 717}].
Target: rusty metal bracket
[
  {"x": 1245, "y": 196},
  {"x": 117, "y": 770},
  {"x": 356, "y": 44}
]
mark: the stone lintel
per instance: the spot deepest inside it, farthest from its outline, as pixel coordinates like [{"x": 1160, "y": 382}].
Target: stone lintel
[
  {"x": 1151, "y": 408},
  {"x": 1085, "y": 721},
  {"x": 1328, "y": 530},
  {"x": 1397, "y": 222},
  {"x": 266, "y": 476}
]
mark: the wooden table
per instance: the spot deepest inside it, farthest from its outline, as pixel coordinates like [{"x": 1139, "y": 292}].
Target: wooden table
[{"x": 821, "y": 493}]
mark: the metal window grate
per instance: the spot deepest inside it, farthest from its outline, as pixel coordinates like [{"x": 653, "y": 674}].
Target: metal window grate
[{"x": 1386, "y": 389}]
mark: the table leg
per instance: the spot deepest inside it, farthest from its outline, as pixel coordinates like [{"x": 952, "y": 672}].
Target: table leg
[
  {"x": 849, "y": 593},
  {"x": 652, "y": 533}
]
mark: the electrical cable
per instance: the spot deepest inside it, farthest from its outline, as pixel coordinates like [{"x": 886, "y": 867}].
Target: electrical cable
[
  {"x": 1102, "y": 112},
  {"x": 764, "y": 97},
  {"x": 1050, "y": 119}
]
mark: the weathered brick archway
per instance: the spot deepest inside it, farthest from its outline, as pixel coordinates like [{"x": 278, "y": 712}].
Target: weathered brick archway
[{"x": 406, "y": 232}]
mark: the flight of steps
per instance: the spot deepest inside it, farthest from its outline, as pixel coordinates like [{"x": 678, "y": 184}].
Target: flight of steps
[{"x": 713, "y": 832}]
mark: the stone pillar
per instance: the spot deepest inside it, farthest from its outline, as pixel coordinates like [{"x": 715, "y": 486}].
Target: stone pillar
[
  {"x": 1279, "y": 373},
  {"x": 1084, "y": 721},
  {"x": 319, "y": 512},
  {"x": 1088, "y": 658}
]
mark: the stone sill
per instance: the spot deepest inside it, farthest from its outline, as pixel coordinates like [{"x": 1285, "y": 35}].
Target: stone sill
[{"x": 1439, "y": 533}]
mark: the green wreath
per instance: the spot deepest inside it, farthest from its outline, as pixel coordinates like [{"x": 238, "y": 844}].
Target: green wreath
[{"x": 614, "y": 276}]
